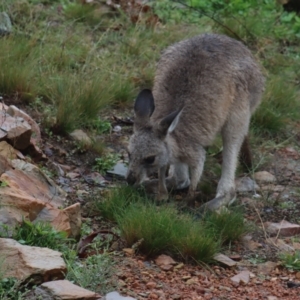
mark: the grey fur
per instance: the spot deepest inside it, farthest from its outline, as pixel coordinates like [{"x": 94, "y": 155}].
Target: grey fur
[{"x": 204, "y": 85}]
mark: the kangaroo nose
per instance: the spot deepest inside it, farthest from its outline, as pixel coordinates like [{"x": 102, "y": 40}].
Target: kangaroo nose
[{"x": 130, "y": 178}]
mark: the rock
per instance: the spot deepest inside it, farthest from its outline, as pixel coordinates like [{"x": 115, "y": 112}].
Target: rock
[
  {"x": 225, "y": 260},
  {"x": 280, "y": 244},
  {"x": 74, "y": 214},
  {"x": 164, "y": 260},
  {"x": 119, "y": 170},
  {"x": 30, "y": 194},
  {"x": 16, "y": 112},
  {"x": 5, "y": 24},
  {"x": 246, "y": 184},
  {"x": 17, "y": 130},
  {"x": 243, "y": 276},
  {"x": 249, "y": 244},
  {"x": 95, "y": 178},
  {"x": 25, "y": 262},
  {"x": 116, "y": 296},
  {"x": 34, "y": 182},
  {"x": 9, "y": 218},
  {"x": 63, "y": 289},
  {"x": 266, "y": 268},
  {"x": 8, "y": 151},
  {"x": 117, "y": 128},
  {"x": 151, "y": 285},
  {"x": 264, "y": 176},
  {"x": 284, "y": 228},
  {"x": 58, "y": 218},
  {"x": 272, "y": 298},
  {"x": 81, "y": 137}
]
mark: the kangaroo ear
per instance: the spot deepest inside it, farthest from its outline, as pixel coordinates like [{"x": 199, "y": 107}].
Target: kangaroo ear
[
  {"x": 144, "y": 105},
  {"x": 169, "y": 123}
]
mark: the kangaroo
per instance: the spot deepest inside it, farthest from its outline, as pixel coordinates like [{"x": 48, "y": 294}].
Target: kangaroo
[{"x": 203, "y": 86}]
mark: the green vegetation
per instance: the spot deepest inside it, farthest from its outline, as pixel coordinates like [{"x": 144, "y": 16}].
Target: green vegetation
[
  {"x": 105, "y": 162},
  {"x": 164, "y": 229},
  {"x": 94, "y": 273},
  {"x": 291, "y": 260},
  {"x": 39, "y": 234},
  {"x": 97, "y": 266},
  {"x": 9, "y": 289}
]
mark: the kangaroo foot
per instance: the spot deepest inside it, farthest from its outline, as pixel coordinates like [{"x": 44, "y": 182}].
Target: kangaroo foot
[{"x": 219, "y": 202}]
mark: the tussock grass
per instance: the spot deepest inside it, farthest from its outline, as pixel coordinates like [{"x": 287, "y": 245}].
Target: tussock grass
[
  {"x": 280, "y": 106},
  {"x": 78, "y": 99},
  {"x": 227, "y": 225},
  {"x": 163, "y": 229},
  {"x": 116, "y": 202}
]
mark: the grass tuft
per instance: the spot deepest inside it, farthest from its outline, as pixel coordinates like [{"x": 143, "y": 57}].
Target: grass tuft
[
  {"x": 164, "y": 229},
  {"x": 227, "y": 226},
  {"x": 279, "y": 107},
  {"x": 291, "y": 260},
  {"x": 39, "y": 234}
]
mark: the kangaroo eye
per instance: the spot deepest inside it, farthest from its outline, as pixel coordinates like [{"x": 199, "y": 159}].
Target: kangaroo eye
[{"x": 149, "y": 160}]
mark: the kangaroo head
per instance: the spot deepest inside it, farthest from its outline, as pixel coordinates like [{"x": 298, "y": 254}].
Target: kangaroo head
[{"x": 148, "y": 146}]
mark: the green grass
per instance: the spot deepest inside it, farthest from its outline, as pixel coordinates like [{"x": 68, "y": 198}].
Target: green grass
[
  {"x": 162, "y": 229},
  {"x": 94, "y": 273},
  {"x": 291, "y": 260},
  {"x": 228, "y": 225},
  {"x": 39, "y": 234}
]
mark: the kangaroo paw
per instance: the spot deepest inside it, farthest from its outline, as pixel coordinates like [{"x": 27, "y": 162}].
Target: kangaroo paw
[{"x": 219, "y": 202}]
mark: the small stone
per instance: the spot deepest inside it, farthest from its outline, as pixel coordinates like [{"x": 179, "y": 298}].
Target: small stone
[
  {"x": 74, "y": 214},
  {"x": 116, "y": 296},
  {"x": 191, "y": 281},
  {"x": 151, "y": 285},
  {"x": 165, "y": 260},
  {"x": 225, "y": 260},
  {"x": 273, "y": 279},
  {"x": 285, "y": 278},
  {"x": 235, "y": 257},
  {"x": 64, "y": 289},
  {"x": 117, "y": 128},
  {"x": 179, "y": 266},
  {"x": 246, "y": 184},
  {"x": 153, "y": 296},
  {"x": 264, "y": 176},
  {"x": 128, "y": 251},
  {"x": 280, "y": 244},
  {"x": 17, "y": 130},
  {"x": 119, "y": 170},
  {"x": 272, "y": 298},
  {"x": 266, "y": 268},
  {"x": 166, "y": 267},
  {"x": 226, "y": 288},
  {"x": 284, "y": 228},
  {"x": 72, "y": 175},
  {"x": 16, "y": 112},
  {"x": 81, "y": 137},
  {"x": 243, "y": 277}
]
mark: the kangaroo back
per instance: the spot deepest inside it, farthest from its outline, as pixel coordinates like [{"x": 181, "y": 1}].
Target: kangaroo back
[{"x": 210, "y": 76}]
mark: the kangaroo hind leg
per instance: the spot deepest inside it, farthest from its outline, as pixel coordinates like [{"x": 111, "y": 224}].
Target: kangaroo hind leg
[{"x": 233, "y": 134}]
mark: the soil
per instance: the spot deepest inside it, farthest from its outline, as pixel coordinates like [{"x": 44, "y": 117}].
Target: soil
[{"x": 139, "y": 276}]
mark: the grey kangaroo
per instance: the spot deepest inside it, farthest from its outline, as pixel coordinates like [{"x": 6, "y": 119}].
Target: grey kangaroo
[{"x": 203, "y": 85}]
